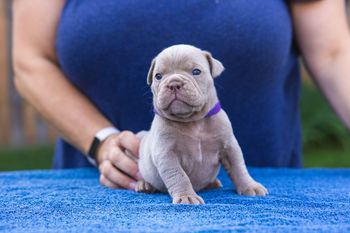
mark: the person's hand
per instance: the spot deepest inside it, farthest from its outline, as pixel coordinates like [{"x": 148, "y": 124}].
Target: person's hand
[{"x": 117, "y": 161}]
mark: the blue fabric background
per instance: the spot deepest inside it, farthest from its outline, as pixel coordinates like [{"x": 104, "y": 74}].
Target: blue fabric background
[
  {"x": 310, "y": 200},
  {"x": 105, "y": 49}
]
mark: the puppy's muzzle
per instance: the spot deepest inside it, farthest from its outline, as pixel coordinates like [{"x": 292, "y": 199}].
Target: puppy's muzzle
[{"x": 175, "y": 85}]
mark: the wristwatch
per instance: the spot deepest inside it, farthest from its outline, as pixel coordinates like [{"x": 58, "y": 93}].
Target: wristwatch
[{"x": 100, "y": 136}]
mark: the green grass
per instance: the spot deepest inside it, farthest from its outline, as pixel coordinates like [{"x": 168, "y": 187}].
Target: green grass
[
  {"x": 328, "y": 157},
  {"x": 27, "y": 158},
  {"x": 326, "y": 140}
]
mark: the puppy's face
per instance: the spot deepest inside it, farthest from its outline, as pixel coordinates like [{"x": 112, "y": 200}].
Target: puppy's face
[{"x": 181, "y": 79}]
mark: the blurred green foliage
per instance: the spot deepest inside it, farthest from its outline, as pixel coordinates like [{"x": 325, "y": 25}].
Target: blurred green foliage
[
  {"x": 326, "y": 140},
  {"x": 321, "y": 126}
]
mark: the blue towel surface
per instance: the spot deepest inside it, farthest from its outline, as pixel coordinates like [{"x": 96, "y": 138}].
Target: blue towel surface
[{"x": 73, "y": 201}]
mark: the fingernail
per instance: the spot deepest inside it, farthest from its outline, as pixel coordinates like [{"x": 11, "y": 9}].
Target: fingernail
[
  {"x": 132, "y": 185},
  {"x": 139, "y": 176}
]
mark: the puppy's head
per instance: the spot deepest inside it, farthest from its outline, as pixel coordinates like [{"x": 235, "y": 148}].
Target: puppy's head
[{"x": 181, "y": 79}]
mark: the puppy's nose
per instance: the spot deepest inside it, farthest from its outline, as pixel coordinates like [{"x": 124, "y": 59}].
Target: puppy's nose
[{"x": 175, "y": 85}]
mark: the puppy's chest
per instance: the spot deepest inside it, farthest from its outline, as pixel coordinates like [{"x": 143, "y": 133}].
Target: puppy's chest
[{"x": 198, "y": 147}]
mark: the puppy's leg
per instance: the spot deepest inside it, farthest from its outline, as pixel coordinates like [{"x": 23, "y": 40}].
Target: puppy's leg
[
  {"x": 144, "y": 187},
  {"x": 232, "y": 159},
  {"x": 176, "y": 180}
]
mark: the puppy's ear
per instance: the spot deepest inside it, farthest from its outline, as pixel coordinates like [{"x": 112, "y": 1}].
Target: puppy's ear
[
  {"x": 150, "y": 72},
  {"x": 216, "y": 67}
]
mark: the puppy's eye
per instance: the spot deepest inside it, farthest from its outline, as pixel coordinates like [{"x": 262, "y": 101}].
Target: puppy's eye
[
  {"x": 158, "y": 76},
  {"x": 196, "y": 72}
]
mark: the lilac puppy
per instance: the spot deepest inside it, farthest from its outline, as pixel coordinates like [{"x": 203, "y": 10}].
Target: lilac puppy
[{"x": 190, "y": 135}]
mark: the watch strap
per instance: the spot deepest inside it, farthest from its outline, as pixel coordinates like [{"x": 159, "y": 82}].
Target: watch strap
[{"x": 100, "y": 136}]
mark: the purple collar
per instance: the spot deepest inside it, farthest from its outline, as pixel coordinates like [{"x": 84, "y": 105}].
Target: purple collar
[{"x": 212, "y": 112}]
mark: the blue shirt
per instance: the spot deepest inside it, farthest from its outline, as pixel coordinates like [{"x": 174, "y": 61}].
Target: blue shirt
[{"x": 105, "y": 49}]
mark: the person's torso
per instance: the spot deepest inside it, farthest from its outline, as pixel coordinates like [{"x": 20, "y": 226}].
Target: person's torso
[{"x": 105, "y": 49}]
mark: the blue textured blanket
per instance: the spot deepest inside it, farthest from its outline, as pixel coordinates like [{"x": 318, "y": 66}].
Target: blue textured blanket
[{"x": 73, "y": 201}]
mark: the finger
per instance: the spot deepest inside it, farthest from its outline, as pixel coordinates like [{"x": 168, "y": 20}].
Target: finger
[
  {"x": 115, "y": 176},
  {"x": 104, "y": 181},
  {"x": 124, "y": 163},
  {"x": 129, "y": 141}
]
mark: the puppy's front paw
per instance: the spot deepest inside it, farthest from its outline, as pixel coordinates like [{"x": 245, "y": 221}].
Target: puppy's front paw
[
  {"x": 188, "y": 199},
  {"x": 252, "y": 188}
]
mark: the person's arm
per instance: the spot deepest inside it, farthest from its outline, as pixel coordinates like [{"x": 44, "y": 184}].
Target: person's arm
[
  {"x": 323, "y": 35},
  {"x": 40, "y": 81}
]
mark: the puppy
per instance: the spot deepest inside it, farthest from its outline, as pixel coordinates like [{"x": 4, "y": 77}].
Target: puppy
[{"x": 190, "y": 135}]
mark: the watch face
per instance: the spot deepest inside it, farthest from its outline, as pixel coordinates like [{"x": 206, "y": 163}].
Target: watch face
[{"x": 93, "y": 148}]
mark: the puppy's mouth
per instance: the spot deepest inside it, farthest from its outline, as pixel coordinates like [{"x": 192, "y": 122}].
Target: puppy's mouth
[
  {"x": 180, "y": 108},
  {"x": 179, "y": 98}
]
